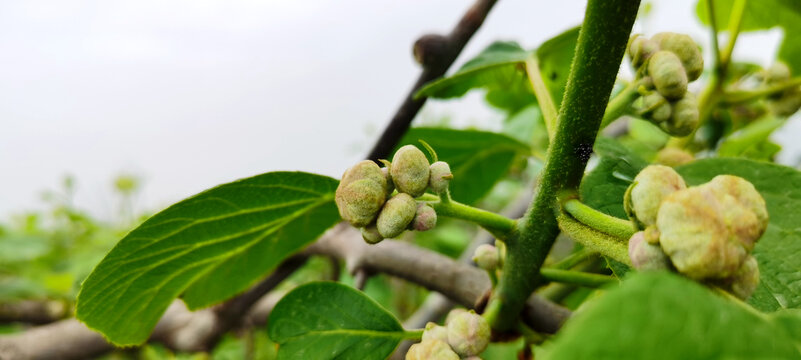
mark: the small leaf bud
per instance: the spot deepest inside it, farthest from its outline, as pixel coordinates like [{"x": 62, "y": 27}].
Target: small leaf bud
[
  {"x": 425, "y": 218},
  {"x": 645, "y": 256},
  {"x": 431, "y": 350},
  {"x": 440, "y": 177},
  {"x": 655, "y": 107},
  {"x": 648, "y": 190},
  {"x": 410, "y": 171},
  {"x": 370, "y": 234},
  {"x": 396, "y": 214},
  {"x": 668, "y": 74},
  {"x": 468, "y": 334},
  {"x": 685, "y": 48},
  {"x": 486, "y": 257},
  {"x": 640, "y": 49},
  {"x": 435, "y": 332},
  {"x": 673, "y": 156},
  {"x": 685, "y": 117}
]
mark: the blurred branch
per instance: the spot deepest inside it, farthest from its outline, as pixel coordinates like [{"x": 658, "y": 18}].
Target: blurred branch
[
  {"x": 32, "y": 311},
  {"x": 436, "y": 53}
]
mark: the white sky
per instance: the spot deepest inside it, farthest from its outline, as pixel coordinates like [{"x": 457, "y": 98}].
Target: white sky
[{"x": 188, "y": 94}]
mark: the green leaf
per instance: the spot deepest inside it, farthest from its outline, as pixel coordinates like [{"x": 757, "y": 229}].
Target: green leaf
[
  {"x": 763, "y": 15},
  {"x": 326, "y": 320},
  {"x": 208, "y": 247},
  {"x": 501, "y": 66},
  {"x": 659, "y": 315},
  {"x": 603, "y": 187},
  {"x": 777, "y": 251},
  {"x": 749, "y": 136},
  {"x": 554, "y": 57},
  {"x": 478, "y": 159}
]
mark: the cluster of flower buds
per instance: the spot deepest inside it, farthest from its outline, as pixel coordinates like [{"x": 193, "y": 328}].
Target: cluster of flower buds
[
  {"x": 705, "y": 232},
  {"x": 464, "y": 336},
  {"x": 366, "y": 196},
  {"x": 788, "y": 101},
  {"x": 667, "y": 62}
]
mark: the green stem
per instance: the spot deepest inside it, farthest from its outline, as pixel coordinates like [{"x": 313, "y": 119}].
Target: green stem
[
  {"x": 713, "y": 24},
  {"x": 413, "y": 334},
  {"x": 599, "y": 51},
  {"x": 735, "y": 22},
  {"x": 576, "y": 277},
  {"x": 621, "y": 103},
  {"x": 498, "y": 225},
  {"x": 542, "y": 94},
  {"x": 735, "y": 97},
  {"x": 604, "y": 244},
  {"x": 574, "y": 259},
  {"x": 599, "y": 221}
]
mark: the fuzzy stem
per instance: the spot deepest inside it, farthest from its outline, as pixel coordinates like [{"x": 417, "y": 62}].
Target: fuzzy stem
[
  {"x": 592, "y": 239},
  {"x": 741, "y": 96},
  {"x": 599, "y": 51},
  {"x": 621, "y": 103},
  {"x": 598, "y": 220},
  {"x": 416, "y": 334},
  {"x": 576, "y": 277},
  {"x": 574, "y": 259},
  {"x": 498, "y": 225}
]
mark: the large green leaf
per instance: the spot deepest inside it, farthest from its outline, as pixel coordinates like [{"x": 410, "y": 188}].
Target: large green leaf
[
  {"x": 603, "y": 187},
  {"x": 498, "y": 67},
  {"x": 761, "y": 15},
  {"x": 659, "y": 315},
  {"x": 554, "y": 57},
  {"x": 478, "y": 159},
  {"x": 326, "y": 320},
  {"x": 779, "y": 248},
  {"x": 209, "y": 247}
]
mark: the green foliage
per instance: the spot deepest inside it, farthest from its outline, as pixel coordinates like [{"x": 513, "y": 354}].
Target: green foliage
[
  {"x": 555, "y": 57},
  {"x": 762, "y": 15},
  {"x": 478, "y": 159},
  {"x": 749, "y": 137},
  {"x": 777, "y": 251},
  {"x": 603, "y": 188},
  {"x": 208, "y": 248},
  {"x": 659, "y": 315},
  {"x": 332, "y": 321}
]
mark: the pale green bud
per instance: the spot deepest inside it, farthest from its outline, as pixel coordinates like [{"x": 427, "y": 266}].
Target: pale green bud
[
  {"x": 673, "y": 156},
  {"x": 431, "y": 350},
  {"x": 640, "y": 49},
  {"x": 645, "y": 256},
  {"x": 370, "y": 234},
  {"x": 360, "y": 201},
  {"x": 684, "y": 117},
  {"x": 435, "y": 332},
  {"x": 486, "y": 257},
  {"x": 745, "y": 280},
  {"x": 777, "y": 72},
  {"x": 685, "y": 48},
  {"x": 655, "y": 107},
  {"x": 364, "y": 169},
  {"x": 468, "y": 334},
  {"x": 396, "y": 214},
  {"x": 410, "y": 171},
  {"x": 425, "y": 218},
  {"x": 440, "y": 177},
  {"x": 668, "y": 74},
  {"x": 647, "y": 191}
]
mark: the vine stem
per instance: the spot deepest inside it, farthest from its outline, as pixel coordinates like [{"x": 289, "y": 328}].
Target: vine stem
[
  {"x": 576, "y": 277},
  {"x": 621, "y": 103},
  {"x": 599, "y": 221},
  {"x": 574, "y": 259},
  {"x": 601, "y": 43},
  {"x": 498, "y": 225},
  {"x": 549, "y": 113},
  {"x": 592, "y": 239}
]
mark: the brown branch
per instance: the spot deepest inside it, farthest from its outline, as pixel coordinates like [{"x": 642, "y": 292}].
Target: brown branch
[
  {"x": 32, "y": 311},
  {"x": 436, "y": 53}
]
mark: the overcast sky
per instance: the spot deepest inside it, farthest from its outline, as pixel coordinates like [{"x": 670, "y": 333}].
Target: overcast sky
[{"x": 188, "y": 94}]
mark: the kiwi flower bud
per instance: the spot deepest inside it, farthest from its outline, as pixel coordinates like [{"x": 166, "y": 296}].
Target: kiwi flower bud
[
  {"x": 777, "y": 72},
  {"x": 425, "y": 218},
  {"x": 684, "y": 118},
  {"x": 668, "y": 74},
  {"x": 745, "y": 281},
  {"x": 709, "y": 230},
  {"x": 360, "y": 201},
  {"x": 453, "y": 314},
  {"x": 435, "y": 332},
  {"x": 640, "y": 49},
  {"x": 390, "y": 187},
  {"x": 370, "y": 234},
  {"x": 486, "y": 257},
  {"x": 396, "y": 214},
  {"x": 655, "y": 107},
  {"x": 647, "y": 191},
  {"x": 431, "y": 350},
  {"x": 468, "y": 334},
  {"x": 410, "y": 170},
  {"x": 645, "y": 256},
  {"x": 440, "y": 177},
  {"x": 685, "y": 48},
  {"x": 673, "y": 156}
]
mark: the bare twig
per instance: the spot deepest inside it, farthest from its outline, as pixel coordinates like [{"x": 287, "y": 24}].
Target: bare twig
[
  {"x": 437, "y": 53},
  {"x": 32, "y": 311}
]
